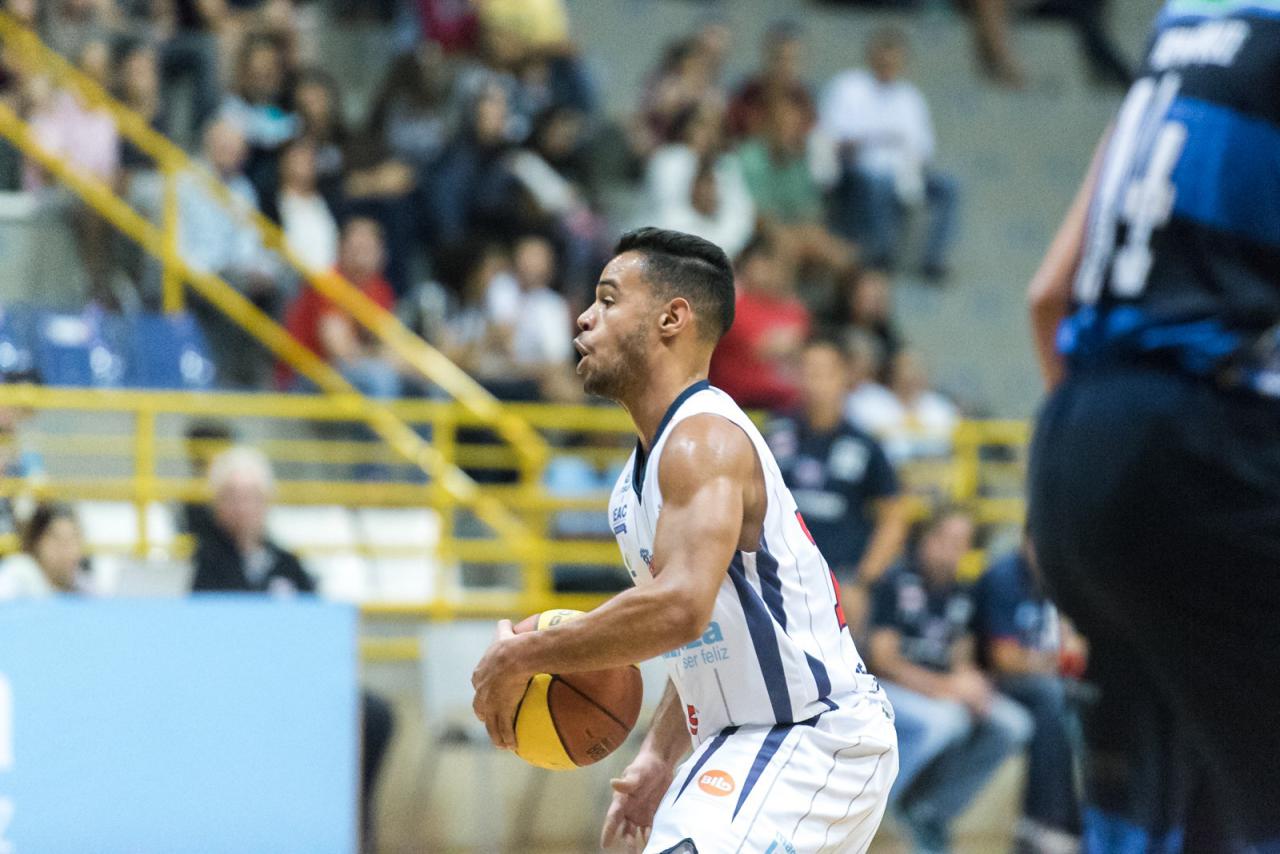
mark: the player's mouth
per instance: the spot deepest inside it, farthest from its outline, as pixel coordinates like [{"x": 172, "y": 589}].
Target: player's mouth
[{"x": 583, "y": 353}]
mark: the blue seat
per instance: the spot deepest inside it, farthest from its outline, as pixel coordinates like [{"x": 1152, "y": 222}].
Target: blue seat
[
  {"x": 168, "y": 351},
  {"x": 17, "y": 343},
  {"x": 78, "y": 350}
]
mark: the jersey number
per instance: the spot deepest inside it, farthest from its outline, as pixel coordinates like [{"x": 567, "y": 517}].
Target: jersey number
[
  {"x": 1134, "y": 190},
  {"x": 835, "y": 585}
]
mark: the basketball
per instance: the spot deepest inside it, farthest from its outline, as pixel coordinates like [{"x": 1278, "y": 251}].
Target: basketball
[{"x": 574, "y": 720}]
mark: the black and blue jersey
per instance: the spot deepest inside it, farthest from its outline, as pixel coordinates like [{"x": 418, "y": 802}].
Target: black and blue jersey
[{"x": 1181, "y": 261}]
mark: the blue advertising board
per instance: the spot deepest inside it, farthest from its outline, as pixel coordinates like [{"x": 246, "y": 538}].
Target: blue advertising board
[{"x": 215, "y": 724}]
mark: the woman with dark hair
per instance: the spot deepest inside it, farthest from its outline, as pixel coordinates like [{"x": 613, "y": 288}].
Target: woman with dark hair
[
  {"x": 864, "y": 302},
  {"x": 52, "y": 559},
  {"x": 413, "y": 113}
]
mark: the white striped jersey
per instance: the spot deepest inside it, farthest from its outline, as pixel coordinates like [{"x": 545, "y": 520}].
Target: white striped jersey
[{"x": 776, "y": 650}]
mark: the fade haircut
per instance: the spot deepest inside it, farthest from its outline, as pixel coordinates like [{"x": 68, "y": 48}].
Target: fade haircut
[{"x": 682, "y": 265}]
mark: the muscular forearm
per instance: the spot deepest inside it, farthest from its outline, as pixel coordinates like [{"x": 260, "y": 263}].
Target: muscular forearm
[
  {"x": 634, "y": 626},
  {"x": 667, "y": 739}
]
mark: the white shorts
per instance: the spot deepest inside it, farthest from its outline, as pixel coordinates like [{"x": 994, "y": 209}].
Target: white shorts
[{"x": 787, "y": 789}]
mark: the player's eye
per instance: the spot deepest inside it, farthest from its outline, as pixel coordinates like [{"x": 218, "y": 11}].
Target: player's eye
[{"x": 607, "y": 300}]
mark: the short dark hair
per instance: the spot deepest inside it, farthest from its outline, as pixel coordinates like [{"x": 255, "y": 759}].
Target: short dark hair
[
  {"x": 40, "y": 522},
  {"x": 679, "y": 264}
]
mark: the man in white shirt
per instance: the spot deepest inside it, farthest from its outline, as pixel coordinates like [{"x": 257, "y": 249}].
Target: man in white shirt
[
  {"x": 911, "y": 420},
  {"x": 541, "y": 344},
  {"x": 881, "y": 123}
]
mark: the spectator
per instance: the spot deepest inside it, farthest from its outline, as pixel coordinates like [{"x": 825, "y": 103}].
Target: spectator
[
  {"x": 205, "y": 441},
  {"x": 685, "y": 81},
  {"x": 864, "y": 302},
  {"x": 841, "y": 479},
  {"x": 16, "y": 462},
  {"x": 257, "y": 108},
  {"x": 912, "y": 421},
  {"x": 309, "y": 226},
  {"x": 541, "y": 326},
  {"x": 189, "y": 53},
  {"x": 954, "y": 729},
  {"x": 86, "y": 137},
  {"x": 1021, "y": 640},
  {"x": 52, "y": 559},
  {"x": 723, "y": 209},
  {"x": 477, "y": 334},
  {"x": 413, "y": 112},
  {"x": 782, "y": 63},
  {"x": 992, "y": 25},
  {"x": 787, "y": 198},
  {"x": 331, "y": 333},
  {"x": 757, "y": 361},
  {"x": 882, "y": 124},
  {"x": 236, "y": 555},
  {"x": 216, "y": 238}
]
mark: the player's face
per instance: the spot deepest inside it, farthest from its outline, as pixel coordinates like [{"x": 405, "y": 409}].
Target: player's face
[{"x": 613, "y": 341}]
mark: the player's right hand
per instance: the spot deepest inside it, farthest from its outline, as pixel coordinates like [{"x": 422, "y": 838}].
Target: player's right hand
[{"x": 636, "y": 797}]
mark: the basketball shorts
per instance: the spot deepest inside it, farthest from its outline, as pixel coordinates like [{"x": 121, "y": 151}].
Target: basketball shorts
[
  {"x": 1155, "y": 512},
  {"x": 817, "y": 786}
]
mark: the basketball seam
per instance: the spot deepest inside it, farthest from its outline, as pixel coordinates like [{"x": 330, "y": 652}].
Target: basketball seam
[
  {"x": 564, "y": 745},
  {"x": 607, "y": 713}
]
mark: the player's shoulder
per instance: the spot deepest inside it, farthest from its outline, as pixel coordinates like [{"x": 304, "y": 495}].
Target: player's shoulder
[{"x": 706, "y": 444}]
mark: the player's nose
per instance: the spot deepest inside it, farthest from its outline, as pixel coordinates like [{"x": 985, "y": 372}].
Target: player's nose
[{"x": 584, "y": 320}]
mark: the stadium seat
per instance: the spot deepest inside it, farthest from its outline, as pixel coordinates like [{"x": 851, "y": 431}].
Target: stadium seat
[
  {"x": 17, "y": 336},
  {"x": 113, "y": 525},
  {"x": 449, "y": 652},
  {"x": 168, "y": 352},
  {"x": 323, "y": 529},
  {"x": 78, "y": 350},
  {"x": 399, "y": 527},
  {"x": 403, "y": 579},
  {"x": 343, "y": 577}
]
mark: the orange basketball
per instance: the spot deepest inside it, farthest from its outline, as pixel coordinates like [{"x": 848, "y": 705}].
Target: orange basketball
[{"x": 568, "y": 721}]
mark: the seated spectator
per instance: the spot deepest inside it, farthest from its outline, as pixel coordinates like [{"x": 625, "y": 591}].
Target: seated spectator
[
  {"x": 782, "y": 63},
  {"x": 16, "y": 462},
  {"x": 142, "y": 184},
  {"x": 541, "y": 325},
  {"x": 864, "y": 302},
  {"x": 843, "y": 483},
  {"x": 215, "y": 238},
  {"x": 477, "y": 333},
  {"x": 414, "y": 111},
  {"x": 722, "y": 209},
  {"x": 205, "y": 441},
  {"x": 954, "y": 729},
  {"x": 881, "y": 122},
  {"x": 308, "y": 223},
  {"x": 542, "y": 55},
  {"x": 912, "y": 421},
  {"x": 788, "y": 200},
  {"x": 331, "y": 333},
  {"x": 257, "y": 108},
  {"x": 684, "y": 82},
  {"x": 64, "y": 125},
  {"x": 1021, "y": 641},
  {"x": 758, "y": 360},
  {"x": 52, "y": 560},
  {"x": 992, "y": 24},
  {"x": 236, "y": 555}
]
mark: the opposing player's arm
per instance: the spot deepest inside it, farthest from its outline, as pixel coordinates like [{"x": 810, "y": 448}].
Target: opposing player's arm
[
  {"x": 704, "y": 471},
  {"x": 1049, "y": 296}
]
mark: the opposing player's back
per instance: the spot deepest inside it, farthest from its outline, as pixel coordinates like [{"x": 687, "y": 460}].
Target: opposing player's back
[
  {"x": 1182, "y": 256},
  {"x": 776, "y": 650}
]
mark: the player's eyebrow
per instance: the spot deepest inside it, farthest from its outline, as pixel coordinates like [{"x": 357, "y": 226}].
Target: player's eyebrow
[{"x": 608, "y": 283}]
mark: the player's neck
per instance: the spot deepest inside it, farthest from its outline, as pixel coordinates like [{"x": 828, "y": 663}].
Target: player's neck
[{"x": 649, "y": 406}]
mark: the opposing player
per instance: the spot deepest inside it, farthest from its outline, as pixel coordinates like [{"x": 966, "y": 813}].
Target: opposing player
[
  {"x": 794, "y": 746},
  {"x": 1156, "y": 463}
]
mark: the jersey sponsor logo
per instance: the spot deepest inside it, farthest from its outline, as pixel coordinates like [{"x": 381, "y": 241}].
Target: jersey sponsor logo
[
  {"x": 780, "y": 845},
  {"x": 647, "y": 557},
  {"x": 691, "y": 712},
  {"x": 717, "y": 783},
  {"x": 619, "y": 519},
  {"x": 1210, "y": 43},
  {"x": 709, "y": 649}
]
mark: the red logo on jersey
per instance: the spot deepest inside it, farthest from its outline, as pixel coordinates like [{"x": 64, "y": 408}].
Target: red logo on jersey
[
  {"x": 805, "y": 527},
  {"x": 692, "y": 714}
]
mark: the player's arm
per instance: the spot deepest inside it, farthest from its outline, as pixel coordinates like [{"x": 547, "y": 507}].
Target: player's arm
[
  {"x": 704, "y": 472},
  {"x": 638, "y": 792},
  {"x": 1049, "y": 295}
]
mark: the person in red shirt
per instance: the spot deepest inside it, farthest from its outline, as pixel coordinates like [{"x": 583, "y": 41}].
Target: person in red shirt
[
  {"x": 334, "y": 335},
  {"x": 757, "y": 361}
]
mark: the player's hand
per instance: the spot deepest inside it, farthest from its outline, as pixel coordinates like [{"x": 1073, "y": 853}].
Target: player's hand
[
  {"x": 636, "y": 796},
  {"x": 972, "y": 689},
  {"x": 499, "y": 686}
]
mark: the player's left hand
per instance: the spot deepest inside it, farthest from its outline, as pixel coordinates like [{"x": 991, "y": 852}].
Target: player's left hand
[{"x": 499, "y": 686}]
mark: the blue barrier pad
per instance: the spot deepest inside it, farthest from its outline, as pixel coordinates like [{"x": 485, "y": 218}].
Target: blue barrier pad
[{"x": 214, "y": 724}]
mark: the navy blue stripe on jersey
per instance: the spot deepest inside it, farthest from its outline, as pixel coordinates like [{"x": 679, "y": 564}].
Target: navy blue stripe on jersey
[
  {"x": 763, "y": 639},
  {"x": 819, "y": 671},
  {"x": 1227, "y": 177},
  {"x": 768, "y": 748},
  {"x": 715, "y": 744},
  {"x": 637, "y": 471},
  {"x": 770, "y": 583}
]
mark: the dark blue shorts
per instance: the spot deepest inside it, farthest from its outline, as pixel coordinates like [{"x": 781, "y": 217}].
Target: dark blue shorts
[{"x": 1155, "y": 511}]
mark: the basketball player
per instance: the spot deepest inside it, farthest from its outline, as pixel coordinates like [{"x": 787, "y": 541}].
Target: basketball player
[
  {"x": 794, "y": 747},
  {"x": 1155, "y": 482}
]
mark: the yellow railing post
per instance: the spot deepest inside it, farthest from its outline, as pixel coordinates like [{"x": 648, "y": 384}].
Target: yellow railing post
[
  {"x": 144, "y": 473},
  {"x": 173, "y": 302}
]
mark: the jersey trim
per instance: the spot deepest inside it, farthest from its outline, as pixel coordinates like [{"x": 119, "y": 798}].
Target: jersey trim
[
  {"x": 715, "y": 745},
  {"x": 637, "y": 470},
  {"x": 765, "y": 642},
  {"x": 768, "y": 748}
]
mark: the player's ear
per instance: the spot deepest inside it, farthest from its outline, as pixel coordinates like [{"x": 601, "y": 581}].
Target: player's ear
[{"x": 676, "y": 315}]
